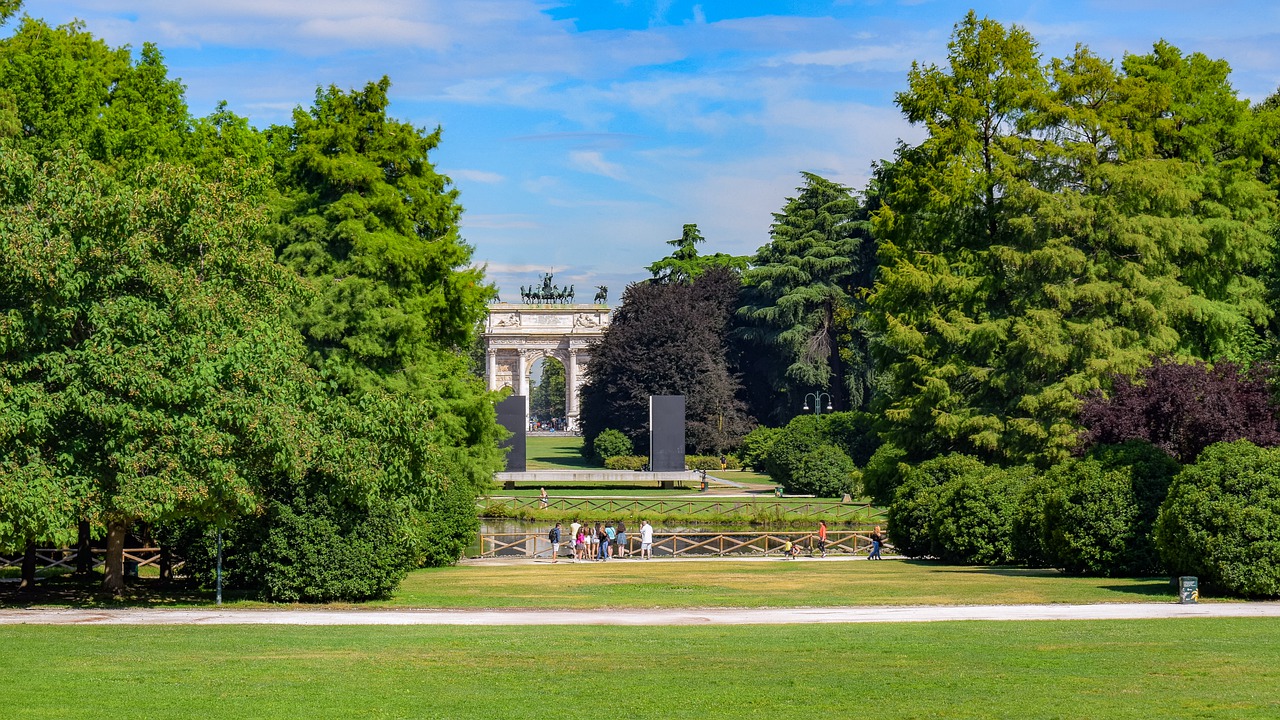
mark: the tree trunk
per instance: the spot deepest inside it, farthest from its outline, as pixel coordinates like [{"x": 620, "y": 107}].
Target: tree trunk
[
  {"x": 166, "y": 564},
  {"x": 28, "y": 582},
  {"x": 113, "y": 568},
  {"x": 84, "y": 553}
]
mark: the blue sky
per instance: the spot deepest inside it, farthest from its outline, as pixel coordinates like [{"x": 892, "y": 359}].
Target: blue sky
[{"x": 583, "y": 135}]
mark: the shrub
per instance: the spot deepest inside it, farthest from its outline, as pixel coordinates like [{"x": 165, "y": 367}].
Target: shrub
[
  {"x": 800, "y": 436},
  {"x": 884, "y": 472},
  {"x": 1098, "y": 514},
  {"x": 973, "y": 516},
  {"x": 911, "y": 515},
  {"x": 626, "y": 462},
  {"x": 755, "y": 446},
  {"x": 710, "y": 462},
  {"x": 1029, "y": 532},
  {"x": 611, "y": 443},
  {"x": 853, "y": 432},
  {"x": 824, "y": 472},
  {"x": 1221, "y": 520},
  {"x": 449, "y": 528},
  {"x": 315, "y": 551},
  {"x": 1090, "y": 519}
]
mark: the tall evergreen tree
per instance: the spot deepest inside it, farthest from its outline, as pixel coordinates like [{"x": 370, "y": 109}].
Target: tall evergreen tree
[
  {"x": 1059, "y": 225},
  {"x": 684, "y": 264},
  {"x": 798, "y": 312},
  {"x": 372, "y": 228}
]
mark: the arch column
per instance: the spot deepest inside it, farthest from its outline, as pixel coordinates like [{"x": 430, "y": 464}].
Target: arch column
[
  {"x": 491, "y": 369},
  {"x": 571, "y": 389}
]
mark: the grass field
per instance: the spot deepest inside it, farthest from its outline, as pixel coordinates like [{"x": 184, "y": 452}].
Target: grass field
[
  {"x": 781, "y": 583},
  {"x": 639, "y": 584},
  {"x": 556, "y": 452},
  {"x": 1077, "y": 669}
]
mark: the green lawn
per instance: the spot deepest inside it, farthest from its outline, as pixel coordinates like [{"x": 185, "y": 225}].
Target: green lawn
[
  {"x": 1204, "y": 668},
  {"x": 635, "y": 583},
  {"x": 780, "y": 583},
  {"x": 556, "y": 452}
]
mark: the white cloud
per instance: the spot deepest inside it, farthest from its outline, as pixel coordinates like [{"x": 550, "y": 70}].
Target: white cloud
[
  {"x": 592, "y": 161},
  {"x": 479, "y": 176}
]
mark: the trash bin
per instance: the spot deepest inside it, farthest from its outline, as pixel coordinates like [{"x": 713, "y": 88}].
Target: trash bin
[{"x": 1188, "y": 590}]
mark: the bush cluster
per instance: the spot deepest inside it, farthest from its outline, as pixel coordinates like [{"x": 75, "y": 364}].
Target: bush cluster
[
  {"x": 692, "y": 462},
  {"x": 814, "y": 454},
  {"x": 627, "y": 462},
  {"x": 711, "y": 462},
  {"x": 609, "y": 444},
  {"x": 1090, "y": 515},
  {"x": 1221, "y": 521}
]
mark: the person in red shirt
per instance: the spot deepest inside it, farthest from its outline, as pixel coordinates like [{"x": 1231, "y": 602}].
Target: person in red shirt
[{"x": 822, "y": 537}]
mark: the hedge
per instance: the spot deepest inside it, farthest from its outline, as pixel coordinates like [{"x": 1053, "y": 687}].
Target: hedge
[{"x": 1221, "y": 520}]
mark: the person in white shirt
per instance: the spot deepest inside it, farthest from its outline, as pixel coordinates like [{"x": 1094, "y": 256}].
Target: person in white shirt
[{"x": 646, "y": 540}]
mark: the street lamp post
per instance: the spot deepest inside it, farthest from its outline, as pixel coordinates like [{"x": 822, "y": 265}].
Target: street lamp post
[{"x": 817, "y": 402}]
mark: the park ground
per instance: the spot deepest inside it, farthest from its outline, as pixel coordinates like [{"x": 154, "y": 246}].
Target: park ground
[
  {"x": 1198, "y": 667},
  {"x": 1192, "y": 667}
]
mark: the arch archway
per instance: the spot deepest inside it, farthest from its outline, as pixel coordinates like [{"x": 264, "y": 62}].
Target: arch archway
[{"x": 517, "y": 335}]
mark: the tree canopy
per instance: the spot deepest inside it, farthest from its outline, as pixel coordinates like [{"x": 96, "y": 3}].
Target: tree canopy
[
  {"x": 799, "y": 311},
  {"x": 1060, "y": 224},
  {"x": 668, "y": 339}
]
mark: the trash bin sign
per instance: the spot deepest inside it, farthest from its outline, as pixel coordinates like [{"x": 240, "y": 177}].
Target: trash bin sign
[{"x": 1188, "y": 590}]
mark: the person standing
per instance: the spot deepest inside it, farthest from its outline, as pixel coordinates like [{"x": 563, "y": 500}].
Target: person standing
[
  {"x": 877, "y": 539},
  {"x": 602, "y": 537},
  {"x": 646, "y": 540},
  {"x": 579, "y": 544},
  {"x": 621, "y": 540},
  {"x": 542, "y": 498},
  {"x": 822, "y": 537},
  {"x": 613, "y": 538},
  {"x": 554, "y": 537},
  {"x": 573, "y": 529}
]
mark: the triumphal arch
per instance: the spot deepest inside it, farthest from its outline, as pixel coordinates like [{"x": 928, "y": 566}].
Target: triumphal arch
[{"x": 546, "y": 323}]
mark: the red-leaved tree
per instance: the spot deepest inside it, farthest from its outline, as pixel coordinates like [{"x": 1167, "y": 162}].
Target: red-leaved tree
[{"x": 1184, "y": 408}]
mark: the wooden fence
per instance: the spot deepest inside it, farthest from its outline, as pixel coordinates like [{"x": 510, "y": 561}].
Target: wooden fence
[
  {"x": 66, "y": 558},
  {"x": 635, "y": 507},
  {"x": 689, "y": 544}
]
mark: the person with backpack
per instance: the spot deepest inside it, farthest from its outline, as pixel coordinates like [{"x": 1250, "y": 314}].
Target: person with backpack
[{"x": 554, "y": 537}]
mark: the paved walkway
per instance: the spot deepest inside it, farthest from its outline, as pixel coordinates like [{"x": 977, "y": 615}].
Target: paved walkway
[{"x": 683, "y": 616}]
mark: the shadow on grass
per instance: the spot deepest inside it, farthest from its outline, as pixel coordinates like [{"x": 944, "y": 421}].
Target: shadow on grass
[
  {"x": 1148, "y": 586},
  {"x": 81, "y": 592},
  {"x": 560, "y": 461}
]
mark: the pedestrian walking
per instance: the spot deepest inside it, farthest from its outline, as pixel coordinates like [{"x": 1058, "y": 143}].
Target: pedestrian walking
[
  {"x": 602, "y": 543},
  {"x": 646, "y": 540},
  {"x": 554, "y": 537},
  {"x": 877, "y": 539},
  {"x": 822, "y": 537}
]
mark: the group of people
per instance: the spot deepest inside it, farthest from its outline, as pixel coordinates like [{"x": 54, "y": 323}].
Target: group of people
[
  {"x": 607, "y": 540},
  {"x": 818, "y": 544},
  {"x": 603, "y": 542}
]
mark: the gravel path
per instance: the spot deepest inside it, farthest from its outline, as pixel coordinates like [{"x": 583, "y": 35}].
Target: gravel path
[{"x": 683, "y": 616}]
